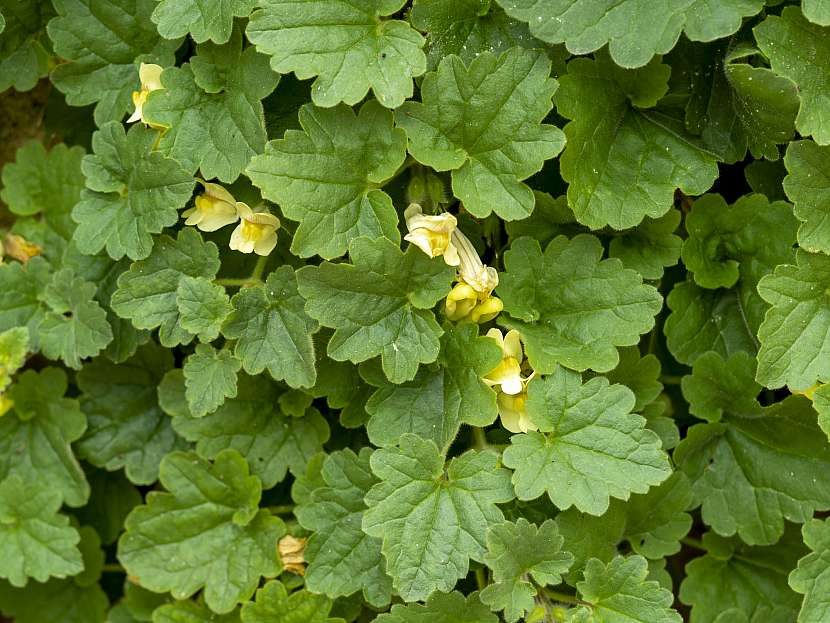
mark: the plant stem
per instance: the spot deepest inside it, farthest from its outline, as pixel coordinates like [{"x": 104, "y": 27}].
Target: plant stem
[
  {"x": 670, "y": 379},
  {"x": 237, "y": 283},
  {"x": 282, "y": 509},
  {"x": 565, "y": 598},
  {"x": 112, "y": 567},
  {"x": 694, "y": 543},
  {"x": 481, "y": 578},
  {"x": 479, "y": 438},
  {"x": 259, "y": 268}
]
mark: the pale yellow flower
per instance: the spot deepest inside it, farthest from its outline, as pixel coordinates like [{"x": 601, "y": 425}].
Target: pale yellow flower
[
  {"x": 471, "y": 270},
  {"x": 18, "y": 248},
  {"x": 507, "y": 376},
  {"x": 432, "y": 234},
  {"x": 150, "y": 76},
  {"x": 291, "y": 551},
  {"x": 513, "y": 412},
  {"x": 464, "y": 303},
  {"x": 256, "y": 232},
  {"x": 214, "y": 209}
]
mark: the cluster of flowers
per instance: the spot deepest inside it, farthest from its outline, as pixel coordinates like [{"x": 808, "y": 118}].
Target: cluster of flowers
[{"x": 472, "y": 300}]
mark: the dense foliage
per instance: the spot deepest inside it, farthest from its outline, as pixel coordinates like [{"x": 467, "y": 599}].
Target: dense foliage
[{"x": 446, "y": 311}]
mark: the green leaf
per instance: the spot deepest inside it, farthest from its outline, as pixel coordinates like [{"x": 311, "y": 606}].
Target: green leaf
[
  {"x": 75, "y": 326},
  {"x": 618, "y": 592},
  {"x": 635, "y": 30},
  {"x": 14, "y": 346},
  {"x": 588, "y": 536},
  {"x": 719, "y": 385},
  {"x": 808, "y": 186},
  {"x": 752, "y": 471},
  {"x": 589, "y": 440},
  {"x": 706, "y": 320},
  {"x": 516, "y": 551},
  {"x": 56, "y": 601},
  {"x": 191, "y": 612},
  {"x": 752, "y": 580},
  {"x": 147, "y": 293},
  {"x": 795, "y": 334},
  {"x": 127, "y": 428},
  {"x": 23, "y": 58},
  {"x": 622, "y": 161},
  {"x": 206, "y": 533},
  {"x": 570, "y": 306},
  {"x": 80, "y": 34},
  {"x": 221, "y": 88},
  {"x": 466, "y": 28},
  {"x": 821, "y": 403},
  {"x": 432, "y": 520},
  {"x": 738, "y": 244},
  {"x": 274, "y": 605},
  {"x": 132, "y": 192},
  {"x": 35, "y": 436},
  {"x": 483, "y": 122},
  {"x": 271, "y": 442},
  {"x": 442, "y": 397},
  {"x": 655, "y": 522},
  {"x": 810, "y": 577},
  {"x": 36, "y": 541},
  {"x": 210, "y": 378},
  {"x": 203, "y": 306},
  {"x": 202, "y": 20},
  {"x": 441, "y": 608},
  {"x": 817, "y": 11},
  {"x": 329, "y": 177},
  {"x": 799, "y": 50},
  {"x": 20, "y": 295},
  {"x": 342, "y": 559},
  {"x": 111, "y": 500},
  {"x": 273, "y": 331},
  {"x": 379, "y": 305},
  {"x": 650, "y": 247},
  {"x": 639, "y": 374},
  {"x": 47, "y": 183},
  {"x": 349, "y": 47}
]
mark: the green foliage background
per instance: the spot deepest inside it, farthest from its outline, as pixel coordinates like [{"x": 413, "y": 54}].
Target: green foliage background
[{"x": 651, "y": 179}]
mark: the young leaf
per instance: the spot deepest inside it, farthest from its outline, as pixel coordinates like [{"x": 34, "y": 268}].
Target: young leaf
[
  {"x": 36, "y": 541},
  {"x": 212, "y": 109},
  {"x": 379, "y": 305},
  {"x": 799, "y": 50},
  {"x": 808, "y": 186},
  {"x": 274, "y": 605},
  {"x": 329, "y": 177},
  {"x": 795, "y": 334},
  {"x": 589, "y": 440},
  {"x": 127, "y": 429},
  {"x": 36, "y": 435},
  {"x": 75, "y": 326},
  {"x": 207, "y": 532},
  {"x": 271, "y": 442},
  {"x": 623, "y": 162},
  {"x": 273, "y": 331},
  {"x": 639, "y": 374},
  {"x": 619, "y": 592},
  {"x": 210, "y": 378},
  {"x": 202, "y": 20},
  {"x": 483, "y": 122},
  {"x": 650, "y": 247},
  {"x": 516, "y": 551},
  {"x": 706, "y": 320},
  {"x": 132, "y": 192},
  {"x": 635, "y": 30},
  {"x": 203, "y": 307},
  {"x": 810, "y": 577},
  {"x": 719, "y": 385},
  {"x": 466, "y": 28},
  {"x": 570, "y": 306},
  {"x": 751, "y": 471},
  {"x": 432, "y": 520},
  {"x": 440, "y": 398},
  {"x": 441, "y": 608},
  {"x": 751, "y": 580},
  {"x": 83, "y": 29},
  {"x": 349, "y": 47},
  {"x": 147, "y": 294},
  {"x": 342, "y": 559}
]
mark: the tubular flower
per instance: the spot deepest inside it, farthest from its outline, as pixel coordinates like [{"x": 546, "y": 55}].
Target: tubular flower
[
  {"x": 256, "y": 232},
  {"x": 214, "y": 209},
  {"x": 510, "y": 382},
  {"x": 471, "y": 298},
  {"x": 150, "y": 76},
  {"x": 291, "y": 551},
  {"x": 432, "y": 234}
]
